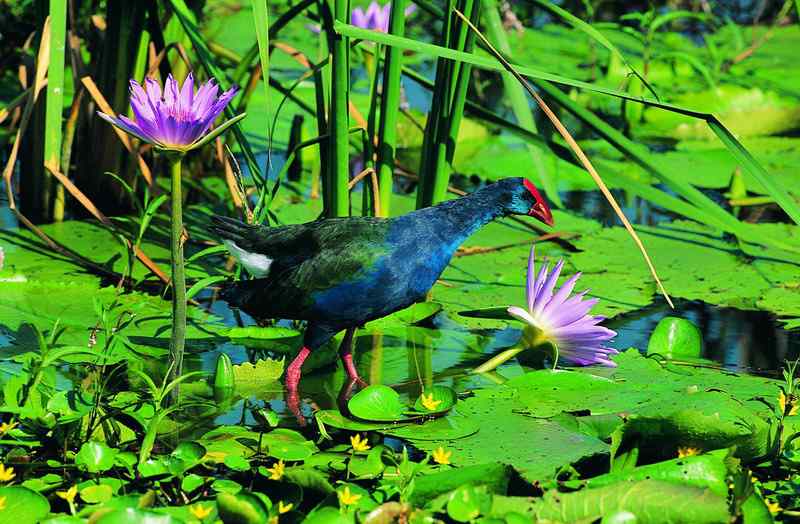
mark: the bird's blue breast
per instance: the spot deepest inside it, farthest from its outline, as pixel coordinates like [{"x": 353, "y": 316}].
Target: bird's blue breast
[{"x": 416, "y": 255}]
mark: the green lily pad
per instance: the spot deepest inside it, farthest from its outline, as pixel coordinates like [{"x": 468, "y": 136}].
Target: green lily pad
[
  {"x": 22, "y": 505},
  {"x": 95, "y": 457},
  {"x": 241, "y": 508},
  {"x": 676, "y": 338},
  {"x": 440, "y": 399},
  {"x": 377, "y": 403}
]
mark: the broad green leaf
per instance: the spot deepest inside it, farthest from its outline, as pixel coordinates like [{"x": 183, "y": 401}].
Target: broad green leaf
[
  {"x": 95, "y": 457},
  {"x": 439, "y": 399},
  {"x": 135, "y": 516},
  {"x": 676, "y": 338},
  {"x": 650, "y": 500},
  {"x": 241, "y": 508},
  {"x": 22, "y": 505},
  {"x": 377, "y": 403}
]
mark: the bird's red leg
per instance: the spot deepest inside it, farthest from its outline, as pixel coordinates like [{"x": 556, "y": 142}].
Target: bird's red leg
[
  {"x": 345, "y": 353},
  {"x": 293, "y": 370},
  {"x": 292, "y": 382}
]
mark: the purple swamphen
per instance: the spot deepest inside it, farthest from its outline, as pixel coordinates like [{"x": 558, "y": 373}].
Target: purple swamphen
[{"x": 339, "y": 273}]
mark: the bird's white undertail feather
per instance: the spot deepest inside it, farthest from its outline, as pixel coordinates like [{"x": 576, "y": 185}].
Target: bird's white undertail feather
[{"x": 255, "y": 263}]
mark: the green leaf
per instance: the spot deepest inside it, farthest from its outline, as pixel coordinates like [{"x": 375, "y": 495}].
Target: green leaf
[
  {"x": 467, "y": 503},
  {"x": 241, "y": 508},
  {"x": 237, "y": 463},
  {"x": 377, "y": 403},
  {"x": 289, "y": 445},
  {"x": 22, "y": 506},
  {"x": 443, "y": 398},
  {"x": 135, "y": 516},
  {"x": 676, "y": 338},
  {"x": 97, "y": 494},
  {"x": 214, "y": 133},
  {"x": 649, "y": 500},
  {"x": 95, "y": 457}
]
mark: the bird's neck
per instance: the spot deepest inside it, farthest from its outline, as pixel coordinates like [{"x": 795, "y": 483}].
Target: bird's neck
[{"x": 462, "y": 217}]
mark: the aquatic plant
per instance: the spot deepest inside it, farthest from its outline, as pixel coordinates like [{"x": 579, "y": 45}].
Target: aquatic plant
[
  {"x": 562, "y": 319},
  {"x": 175, "y": 120},
  {"x": 558, "y": 321},
  {"x": 376, "y": 16}
]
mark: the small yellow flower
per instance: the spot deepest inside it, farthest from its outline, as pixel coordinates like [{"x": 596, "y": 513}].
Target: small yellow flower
[
  {"x": 276, "y": 471},
  {"x": 688, "y": 451},
  {"x": 200, "y": 511},
  {"x": 68, "y": 495},
  {"x": 5, "y": 427},
  {"x": 773, "y": 507},
  {"x": 2, "y": 503},
  {"x": 347, "y": 498},
  {"x": 6, "y": 474},
  {"x": 284, "y": 508},
  {"x": 440, "y": 456},
  {"x": 358, "y": 443},
  {"x": 792, "y": 401},
  {"x": 428, "y": 402}
]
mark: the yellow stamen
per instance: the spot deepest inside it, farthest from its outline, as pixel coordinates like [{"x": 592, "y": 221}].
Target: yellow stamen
[
  {"x": 358, "y": 443},
  {"x": 68, "y": 495},
  {"x": 428, "y": 402},
  {"x": 440, "y": 456},
  {"x": 688, "y": 451},
  {"x": 5, "y": 427},
  {"x": 791, "y": 400},
  {"x": 284, "y": 508},
  {"x": 276, "y": 471},
  {"x": 346, "y": 498},
  {"x": 6, "y": 473}
]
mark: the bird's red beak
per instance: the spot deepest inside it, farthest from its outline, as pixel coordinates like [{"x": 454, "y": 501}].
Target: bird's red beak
[{"x": 540, "y": 209}]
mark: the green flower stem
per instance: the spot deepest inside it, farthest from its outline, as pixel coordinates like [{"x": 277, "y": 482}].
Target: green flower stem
[
  {"x": 499, "y": 359},
  {"x": 178, "y": 338}
]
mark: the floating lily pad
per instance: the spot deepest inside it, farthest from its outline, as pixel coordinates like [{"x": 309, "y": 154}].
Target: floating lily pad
[
  {"x": 437, "y": 399},
  {"x": 377, "y": 403}
]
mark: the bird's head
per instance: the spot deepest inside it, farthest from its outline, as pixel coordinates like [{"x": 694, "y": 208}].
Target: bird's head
[{"x": 520, "y": 197}]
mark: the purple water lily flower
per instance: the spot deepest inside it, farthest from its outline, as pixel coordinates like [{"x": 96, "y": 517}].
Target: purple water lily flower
[
  {"x": 177, "y": 119},
  {"x": 376, "y": 17},
  {"x": 564, "y": 319}
]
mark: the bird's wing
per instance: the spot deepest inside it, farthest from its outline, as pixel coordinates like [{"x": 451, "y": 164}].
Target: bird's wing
[{"x": 303, "y": 259}]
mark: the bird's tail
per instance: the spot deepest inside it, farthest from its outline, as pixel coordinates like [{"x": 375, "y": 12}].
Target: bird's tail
[{"x": 232, "y": 230}]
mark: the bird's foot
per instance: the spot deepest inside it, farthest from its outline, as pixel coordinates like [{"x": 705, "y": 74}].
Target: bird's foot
[{"x": 350, "y": 368}]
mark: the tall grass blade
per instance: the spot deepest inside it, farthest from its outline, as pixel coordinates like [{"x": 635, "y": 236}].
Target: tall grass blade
[
  {"x": 54, "y": 107},
  {"x": 339, "y": 145},
  {"x": 447, "y": 108},
  {"x": 542, "y": 79},
  {"x": 186, "y": 18},
  {"x": 518, "y": 101},
  {"x": 581, "y": 156},
  {"x": 390, "y": 106},
  {"x": 596, "y": 35},
  {"x": 261, "y": 19}
]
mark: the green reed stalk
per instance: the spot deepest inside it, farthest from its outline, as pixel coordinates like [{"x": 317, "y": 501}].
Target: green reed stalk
[
  {"x": 444, "y": 117},
  {"x": 466, "y": 40},
  {"x": 390, "y": 106},
  {"x": 338, "y": 145},
  {"x": 55, "y": 101},
  {"x": 518, "y": 99},
  {"x": 178, "y": 337},
  {"x": 261, "y": 19}
]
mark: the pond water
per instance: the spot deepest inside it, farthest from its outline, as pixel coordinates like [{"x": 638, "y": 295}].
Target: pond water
[{"x": 443, "y": 353}]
